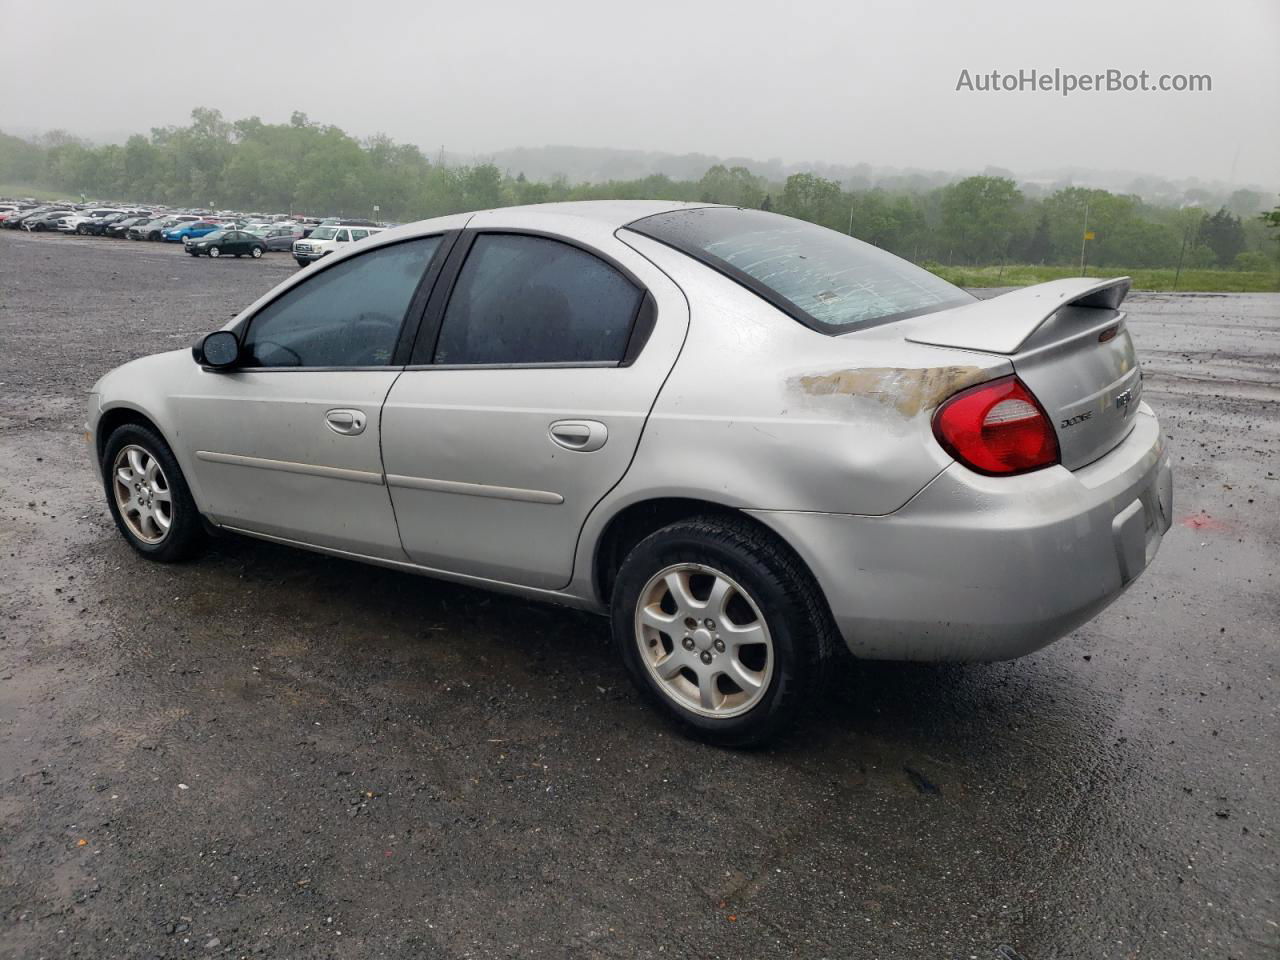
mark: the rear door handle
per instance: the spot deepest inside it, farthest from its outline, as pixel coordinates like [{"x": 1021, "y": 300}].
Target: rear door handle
[
  {"x": 581, "y": 436},
  {"x": 346, "y": 422}
]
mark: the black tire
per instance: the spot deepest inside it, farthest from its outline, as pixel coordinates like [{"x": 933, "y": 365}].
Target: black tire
[
  {"x": 82, "y": 230},
  {"x": 153, "y": 235},
  {"x": 257, "y": 252},
  {"x": 215, "y": 252},
  {"x": 794, "y": 610},
  {"x": 186, "y": 536}
]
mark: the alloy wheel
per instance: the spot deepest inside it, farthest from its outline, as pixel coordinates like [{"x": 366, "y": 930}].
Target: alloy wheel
[
  {"x": 704, "y": 640},
  {"x": 142, "y": 493}
]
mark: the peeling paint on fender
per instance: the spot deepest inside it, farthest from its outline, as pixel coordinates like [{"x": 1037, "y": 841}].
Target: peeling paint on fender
[{"x": 907, "y": 390}]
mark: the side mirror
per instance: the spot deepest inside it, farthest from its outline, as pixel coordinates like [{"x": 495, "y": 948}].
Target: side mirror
[{"x": 218, "y": 350}]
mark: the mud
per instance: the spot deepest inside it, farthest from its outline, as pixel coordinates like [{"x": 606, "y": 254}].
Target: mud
[{"x": 272, "y": 753}]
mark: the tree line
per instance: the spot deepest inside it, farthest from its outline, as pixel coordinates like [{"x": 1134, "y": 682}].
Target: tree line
[{"x": 310, "y": 168}]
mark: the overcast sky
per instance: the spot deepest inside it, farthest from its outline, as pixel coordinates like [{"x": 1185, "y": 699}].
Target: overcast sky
[{"x": 837, "y": 81}]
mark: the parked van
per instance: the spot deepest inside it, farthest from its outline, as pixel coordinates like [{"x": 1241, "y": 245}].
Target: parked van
[{"x": 325, "y": 239}]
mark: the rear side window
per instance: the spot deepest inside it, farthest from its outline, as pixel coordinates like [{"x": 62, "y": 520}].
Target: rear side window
[
  {"x": 525, "y": 299},
  {"x": 826, "y": 280},
  {"x": 347, "y": 316}
]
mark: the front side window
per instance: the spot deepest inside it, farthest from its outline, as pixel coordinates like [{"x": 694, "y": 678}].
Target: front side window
[
  {"x": 826, "y": 280},
  {"x": 525, "y": 299},
  {"x": 347, "y": 316}
]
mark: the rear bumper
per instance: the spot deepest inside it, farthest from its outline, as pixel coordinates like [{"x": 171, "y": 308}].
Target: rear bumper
[{"x": 983, "y": 568}]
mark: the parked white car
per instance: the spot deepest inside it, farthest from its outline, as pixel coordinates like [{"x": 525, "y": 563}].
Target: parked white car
[
  {"x": 325, "y": 240},
  {"x": 76, "y": 222}
]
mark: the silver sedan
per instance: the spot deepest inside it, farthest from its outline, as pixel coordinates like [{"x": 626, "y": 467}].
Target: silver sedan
[{"x": 744, "y": 437}]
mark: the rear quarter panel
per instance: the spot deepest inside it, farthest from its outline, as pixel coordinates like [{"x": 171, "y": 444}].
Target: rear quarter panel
[{"x": 765, "y": 413}]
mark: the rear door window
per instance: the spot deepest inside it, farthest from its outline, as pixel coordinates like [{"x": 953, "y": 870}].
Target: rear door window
[{"x": 531, "y": 300}]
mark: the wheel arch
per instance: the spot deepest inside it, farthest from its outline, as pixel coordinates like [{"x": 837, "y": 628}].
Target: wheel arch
[
  {"x": 115, "y": 417},
  {"x": 637, "y": 520}
]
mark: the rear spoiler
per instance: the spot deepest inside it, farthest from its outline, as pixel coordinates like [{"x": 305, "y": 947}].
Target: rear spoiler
[{"x": 1004, "y": 323}]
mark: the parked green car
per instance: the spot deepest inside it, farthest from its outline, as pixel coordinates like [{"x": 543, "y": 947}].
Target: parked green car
[{"x": 234, "y": 242}]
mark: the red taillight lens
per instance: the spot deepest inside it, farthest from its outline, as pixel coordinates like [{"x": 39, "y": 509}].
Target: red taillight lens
[{"x": 997, "y": 428}]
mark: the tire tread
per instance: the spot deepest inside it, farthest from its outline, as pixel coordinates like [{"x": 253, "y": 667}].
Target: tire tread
[{"x": 814, "y": 643}]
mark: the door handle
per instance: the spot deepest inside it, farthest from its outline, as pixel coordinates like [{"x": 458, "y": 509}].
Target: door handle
[
  {"x": 346, "y": 422},
  {"x": 582, "y": 436}
]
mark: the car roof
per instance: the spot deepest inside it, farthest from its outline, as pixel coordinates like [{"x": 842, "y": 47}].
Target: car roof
[
  {"x": 587, "y": 217},
  {"x": 611, "y": 213}
]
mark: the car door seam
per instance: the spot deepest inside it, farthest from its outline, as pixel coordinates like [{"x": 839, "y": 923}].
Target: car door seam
[
  {"x": 635, "y": 450},
  {"x": 382, "y": 462}
]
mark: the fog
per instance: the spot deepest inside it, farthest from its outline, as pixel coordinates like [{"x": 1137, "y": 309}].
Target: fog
[{"x": 811, "y": 80}]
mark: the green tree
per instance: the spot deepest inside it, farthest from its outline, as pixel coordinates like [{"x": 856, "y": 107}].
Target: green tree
[
  {"x": 1224, "y": 235},
  {"x": 979, "y": 215},
  {"x": 1040, "y": 246},
  {"x": 812, "y": 198}
]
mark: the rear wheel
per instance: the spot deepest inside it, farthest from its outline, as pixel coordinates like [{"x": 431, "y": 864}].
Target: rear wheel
[
  {"x": 148, "y": 495},
  {"x": 722, "y": 628},
  {"x": 256, "y": 252}
]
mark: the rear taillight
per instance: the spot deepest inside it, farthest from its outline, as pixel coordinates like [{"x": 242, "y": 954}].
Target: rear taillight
[{"x": 997, "y": 428}]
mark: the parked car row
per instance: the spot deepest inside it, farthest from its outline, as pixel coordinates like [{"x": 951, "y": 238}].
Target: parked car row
[{"x": 200, "y": 233}]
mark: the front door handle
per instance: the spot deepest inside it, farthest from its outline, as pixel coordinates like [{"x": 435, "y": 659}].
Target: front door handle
[
  {"x": 346, "y": 422},
  {"x": 581, "y": 436}
]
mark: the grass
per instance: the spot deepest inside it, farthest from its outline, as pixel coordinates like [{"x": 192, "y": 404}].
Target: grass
[
  {"x": 24, "y": 190},
  {"x": 1159, "y": 280}
]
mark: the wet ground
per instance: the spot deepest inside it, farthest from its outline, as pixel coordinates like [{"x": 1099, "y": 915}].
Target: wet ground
[{"x": 272, "y": 753}]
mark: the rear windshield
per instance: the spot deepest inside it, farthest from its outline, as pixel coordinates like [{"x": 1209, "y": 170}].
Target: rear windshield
[{"x": 826, "y": 280}]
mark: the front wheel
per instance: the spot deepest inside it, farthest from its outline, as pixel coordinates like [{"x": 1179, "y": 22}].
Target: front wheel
[
  {"x": 148, "y": 495},
  {"x": 82, "y": 230},
  {"x": 720, "y": 625},
  {"x": 215, "y": 252}
]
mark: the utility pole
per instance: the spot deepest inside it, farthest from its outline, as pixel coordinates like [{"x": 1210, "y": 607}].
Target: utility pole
[
  {"x": 851, "y": 221},
  {"x": 1084, "y": 237}
]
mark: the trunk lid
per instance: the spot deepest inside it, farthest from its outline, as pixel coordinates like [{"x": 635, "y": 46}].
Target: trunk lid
[{"x": 1068, "y": 343}]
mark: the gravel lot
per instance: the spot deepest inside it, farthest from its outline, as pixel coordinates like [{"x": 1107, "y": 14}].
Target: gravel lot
[{"x": 272, "y": 753}]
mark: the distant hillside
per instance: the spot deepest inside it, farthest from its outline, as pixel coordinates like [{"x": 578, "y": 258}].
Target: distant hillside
[{"x": 602, "y": 164}]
